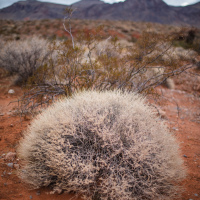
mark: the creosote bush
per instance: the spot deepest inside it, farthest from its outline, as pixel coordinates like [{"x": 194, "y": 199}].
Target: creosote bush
[
  {"x": 90, "y": 61},
  {"x": 102, "y": 145}
]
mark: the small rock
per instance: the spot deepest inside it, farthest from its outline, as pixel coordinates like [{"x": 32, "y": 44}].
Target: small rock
[
  {"x": 162, "y": 113},
  {"x": 10, "y": 165},
  {"x": 11, "y": 125},
  {"x": 196, "y": 195},
  {"x": 185, "y": 156},
  {"x": 31, "y": 197},
  {"x": 5, "y": 184},
  {"x": 38, "y": 193},
  {"x": 1, "y": 114},
  {"x": 27, "y": 117},
  {"x": 10, "y": 156},
  {"x": 11, "y": 91},
  {"x": 16, "y": 166},
  {"x": 175, "y": 129}
]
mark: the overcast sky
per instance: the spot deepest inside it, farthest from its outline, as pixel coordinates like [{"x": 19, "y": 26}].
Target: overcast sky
[{"x": 5, "y": 3}]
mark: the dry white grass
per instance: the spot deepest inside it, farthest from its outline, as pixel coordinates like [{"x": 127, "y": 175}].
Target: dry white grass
[
  {"x": 177, "y": 54},
  {"x": 103, "y": 145}
]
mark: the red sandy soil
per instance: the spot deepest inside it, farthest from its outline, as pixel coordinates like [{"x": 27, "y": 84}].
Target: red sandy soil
[{"x": 182, "y": 113}]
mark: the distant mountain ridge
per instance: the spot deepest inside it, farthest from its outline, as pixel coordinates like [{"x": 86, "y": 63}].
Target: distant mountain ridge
[{"x": 132, "y": 10}]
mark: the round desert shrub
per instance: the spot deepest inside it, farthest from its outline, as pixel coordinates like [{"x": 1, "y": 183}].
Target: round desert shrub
[
  {"x": 103, "y": 145},
  {"x": 24, "y": 57}
]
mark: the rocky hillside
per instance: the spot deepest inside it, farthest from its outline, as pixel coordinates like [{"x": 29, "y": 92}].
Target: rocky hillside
[
  {"x": 132, "y": 10},
  {"x": 32, "y": 10}
]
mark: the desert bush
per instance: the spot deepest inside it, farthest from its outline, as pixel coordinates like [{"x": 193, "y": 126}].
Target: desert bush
[
  {"x": 169, "y": 83},
  {"x": 102, "y": 145},
  {"x": 24, "y": 57},
  {"x": 92, "y": 62}
]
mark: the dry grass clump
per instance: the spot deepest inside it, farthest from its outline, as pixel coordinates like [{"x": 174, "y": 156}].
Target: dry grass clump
[
  {"x": 181, "y": 53},
  {"x": 103, "y": 145},
  {"x": 24, "y": 57},
  {"x": 172, "y": 54}
]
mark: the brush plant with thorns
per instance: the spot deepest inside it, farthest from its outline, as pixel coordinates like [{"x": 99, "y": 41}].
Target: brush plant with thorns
[{"x": 102, "y": 145}]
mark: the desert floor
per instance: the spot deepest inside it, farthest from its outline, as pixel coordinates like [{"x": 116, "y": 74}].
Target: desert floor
[{"x": 180, "y": 109}]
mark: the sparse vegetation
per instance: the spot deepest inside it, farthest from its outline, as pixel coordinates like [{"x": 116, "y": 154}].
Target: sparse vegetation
[
  {"x": 136, "y": 159},
  {"x": 98, "y": 137},
  {"x": 98, "y": 62},
  {"x": 94, "y": 63},
  {"x": 102, "y": 145}
]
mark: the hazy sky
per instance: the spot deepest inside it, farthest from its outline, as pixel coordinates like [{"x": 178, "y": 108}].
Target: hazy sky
[{"x": 5, "y": 3}]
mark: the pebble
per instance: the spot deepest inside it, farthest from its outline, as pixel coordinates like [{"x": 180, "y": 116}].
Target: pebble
[
  {"x": 10, "y": 156},
  {"x": 5, "y": 184},
  {"x": 196, "y": 195},
  {"x": 11, "y": 91},
  {"x": 10, "y": 165},
  {"x": 175, "y": 129},
  {"x": 11, "y": 125},
  {"x": 16, "y": 166},
  {"x": 38, "y": 193},
  {"x": 31, "y": 197},
  {"x": 185, "y": 156}
]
